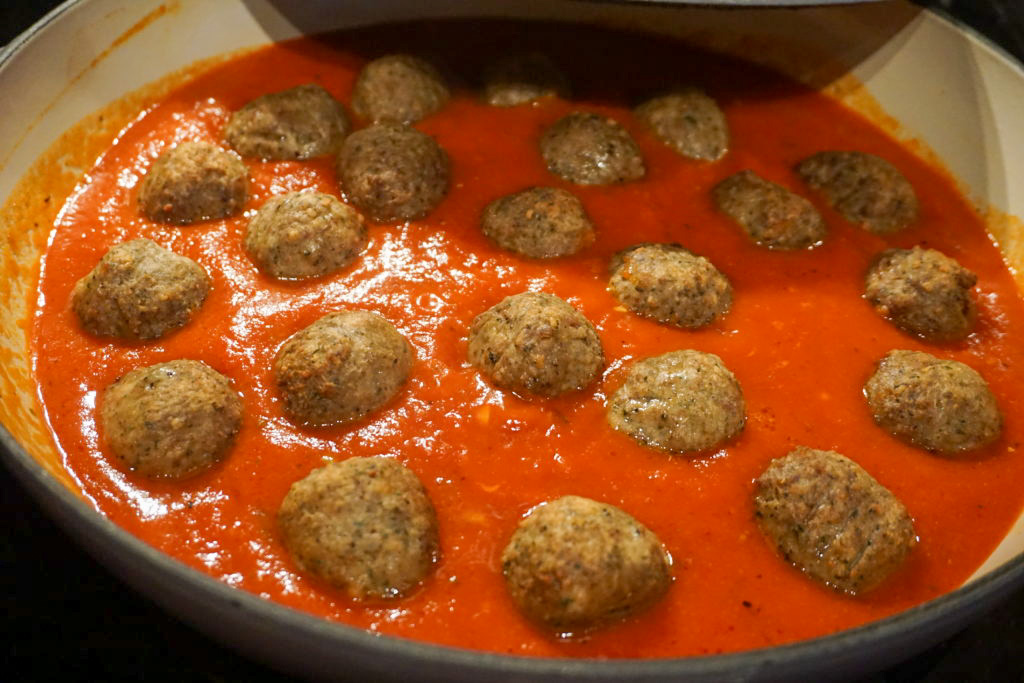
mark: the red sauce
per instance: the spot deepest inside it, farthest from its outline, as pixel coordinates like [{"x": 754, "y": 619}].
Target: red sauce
[{"x": 800, "y": 339}]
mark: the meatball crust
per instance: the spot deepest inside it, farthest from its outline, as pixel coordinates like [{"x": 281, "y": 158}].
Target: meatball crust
[
  {"x": 541, "y": 222},
  {"x": 864, "y": 189},
  {"x": 831, "y": 519},
  {"x": 342, "y": 367},
  {"x": 171, "y": 420},
  {"x": 139, "y": 290},
  {"x": 304, "y": 234},
  {"x": 523, "y": 78},
  {"x": 588, "y": 149},
  {"x": 192, "y": 182},
  {"x": 574, "y": 564},
  {"x": 365, "y": 525},
  {"x": 393, "y": 172},
  {"x": 670, "y": 284},
  {"x": 398, "y": 89},
  {"x": 535, "y": 343},
  {"x": 689, "y": 122},
  {"x": 771, "y": 215},
  {"x": 923, "y": 292},
  {"x": 299, "y": 123},
  {"x": 679, "y": 402},
  {"x": 938, "y": 405}
]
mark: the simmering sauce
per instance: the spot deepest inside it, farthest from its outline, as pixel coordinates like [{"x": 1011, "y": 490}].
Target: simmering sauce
[{"x": 800, "y": 339}]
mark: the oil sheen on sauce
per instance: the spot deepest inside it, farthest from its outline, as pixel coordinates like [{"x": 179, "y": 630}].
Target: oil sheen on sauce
[{"x": 800, "y": 339}]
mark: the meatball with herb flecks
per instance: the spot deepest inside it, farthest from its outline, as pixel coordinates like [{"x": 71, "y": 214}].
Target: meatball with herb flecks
[
  {"x": 298, "y": 123},
  {"x": 171, "y": 420},
  {"x": 139, "y": 290},
  {"x": 689, "y": 122},
  {"x": 771, "y": 215},
  {"x": 574, "y": 564},
  {"x": 541, "y": 222},
  {"x": 398, "y": 89},
  {"x": 341, "y": 368},
  {"x": 193, "y": 182},
  {"x": 589, "y": 149},
  {"x": 519, "y": 79},
  {"x": 365, "y": 526}
]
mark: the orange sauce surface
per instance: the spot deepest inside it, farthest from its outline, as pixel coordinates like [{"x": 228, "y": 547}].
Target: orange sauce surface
[{"x": 800, "y": 339}]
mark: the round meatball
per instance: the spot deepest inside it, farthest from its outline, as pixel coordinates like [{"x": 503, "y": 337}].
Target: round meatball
[
  {"x": 398, "y": 89},
  {"x": 938, "y": 405},
  {"x": 519, "y": 79},
  {"x": 770, "y": 214},
  {"x": 541, "y": 222},
  {"x": 298, "y": 123},
  {"x": 171, "y": 420},
  {"x": 393, "y": 172},
  {"x": 863, "y": 188},
  {"x": 342, "y": 367},
  {"x": 830, "y": 518},
  {"x": 365, "y": 526},
  {"x": 670, "y": 284},
  {"x": 589, "y": 149},
  {"x": 536, "y": 343},
  {"x": 574, "y": 564},
  {"x": 304, "y": 234},
  {"x": 195, "y": 181},
  {"x": 679, "y": 402},
  {"x": 923, "y": 292},
  {"x": 139, "y": 290},
  {"x": 689, "y": 122}
]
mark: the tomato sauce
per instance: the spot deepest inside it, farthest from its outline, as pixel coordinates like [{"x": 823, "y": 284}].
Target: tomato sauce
[{"x": 800, "y": 339}]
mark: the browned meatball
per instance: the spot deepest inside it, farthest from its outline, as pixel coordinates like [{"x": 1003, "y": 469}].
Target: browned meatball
[
  {"x": 588, "y": 149},
  {"x": 924, "y": 292},
  {"x": 195, "y": 181},
  {"x": 393, "y": 172},
  {"x": 939, "y": 405},
  {"x": 536, "y": 343},
  {"x": 342, "y": 367},
  {"x": 304, "y": 234},
  {"x": 770, "y": 214},
  {"x": 365, "y": 526},
  {"x": 519, "y": 79},
  {"x": 139, "y": 290},
  {"x": 171, "y": 420},
  {"x": 541, "y": 222},
  {"x": 574, "y": 564},
  {"x": 831, "y": 519},
  {"x": 863, "y": 188},
  {"x": 670, "y": 284},
  {"x": 298, "y": 123},
  {"x": 689, "y": 122},
  {"x": 398, "y": 89},
  {"x": 679, "y": 402}
]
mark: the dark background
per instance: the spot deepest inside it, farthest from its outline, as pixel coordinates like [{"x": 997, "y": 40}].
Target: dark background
[{"x": 64, "y": 617}]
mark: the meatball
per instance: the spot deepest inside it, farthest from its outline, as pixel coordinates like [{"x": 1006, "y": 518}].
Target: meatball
[
  {"x": 393, "y": 172},
  {"x": 342, "y": 367},
  {"x": 670, "y": 284},
  {"x": 770, "y": 214},
  {"x": 304, "y": 234},
  {"x": 864, "y": 189},
  {"x": 541, "y": 222},
  {"x": 171, "y": 420},
  {"x": 195, "y": 181},
  {"x": 523, "y": 78},
  {"x": 398, "y": 89},
  {"x": 574, "y": 564},
  {"x": 298, "y": 123},
  {"x": 679, "y": 402},
  {"x": 830, "y": 518},
  {"x": 689, "y": 122},
  {"x": 923, "y": 292},
  {"x": 365, "y": 526},
  {"x": 535, "y": 343},
  {"x": 139, "y": 290},
  {"x": 589, "y": 149},
  {"x": 938, "y": 405}
]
